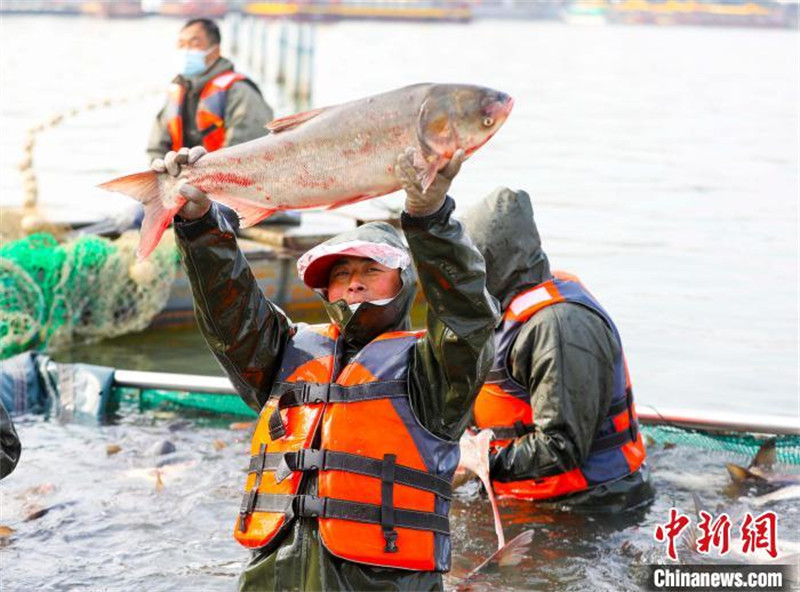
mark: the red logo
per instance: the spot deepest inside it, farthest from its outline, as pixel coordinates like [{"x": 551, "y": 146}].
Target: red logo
[
  {"x": 760, "y": 533},
  {"x": 671, "y": 531},
  {"x": 715, "y": 534}
]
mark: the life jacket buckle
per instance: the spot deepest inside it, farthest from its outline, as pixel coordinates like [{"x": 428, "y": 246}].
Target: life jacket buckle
[
  {"x": 310, "y": 506},
  {"x": 390, "y": 536},
  {"x": 310, "y": 459}
]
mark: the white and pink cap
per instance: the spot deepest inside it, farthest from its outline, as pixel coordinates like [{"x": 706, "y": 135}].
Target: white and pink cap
[{"x": 314, "y": 266}]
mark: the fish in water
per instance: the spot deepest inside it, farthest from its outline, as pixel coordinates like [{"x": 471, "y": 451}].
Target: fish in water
[
  {"x": 760, "y": 474},
  {"x": 327, "y": 157},
  {"x": 512, "y": 553},
  {"x": 161, "y": 448},
  {"x": 475, "y": 458}
]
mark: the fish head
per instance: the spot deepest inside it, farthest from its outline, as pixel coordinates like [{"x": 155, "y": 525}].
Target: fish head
[{"x": 455, "y": 116}]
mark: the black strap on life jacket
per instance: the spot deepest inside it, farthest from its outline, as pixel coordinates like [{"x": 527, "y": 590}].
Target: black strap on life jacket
[
  {"x": 520, "y": 429},
  {"x": 617, "y": 439},
  {"x": 387, "y": 503},
  {"x": 310, "y": 459},
  {"x": 293, "y": 394},
  {"x": 249, "y": 502},
  {"x": 204, "y": 133},
  {"x": 311, "y": 506}
]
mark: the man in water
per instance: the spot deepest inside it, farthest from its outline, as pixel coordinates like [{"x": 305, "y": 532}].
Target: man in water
[
  {"x": 353, "y": 455},
  {"x": 558, "y": 398},
  {"x": 208, "y": 103}
]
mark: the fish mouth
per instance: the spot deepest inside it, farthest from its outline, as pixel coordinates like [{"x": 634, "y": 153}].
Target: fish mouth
[
  {"x": 504, "y": 104},
  {"x": 500, "y": 110}
]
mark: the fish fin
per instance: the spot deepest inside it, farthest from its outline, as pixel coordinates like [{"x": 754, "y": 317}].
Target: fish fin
[
  {"x": 698, "y": 505},
  {"x": 146, "y": 188},
  {"x": 249, "y": 213},
  {"x": 143, "y": 187},
  {"x": 427, "y": 175},
  {"x": 740, "y": 474},
  {"x": 352, "y": 200},
  {"x": 766, "y": 456},
  {"x": 291, "y": 121},
  {"x": 512, "y": 553}
]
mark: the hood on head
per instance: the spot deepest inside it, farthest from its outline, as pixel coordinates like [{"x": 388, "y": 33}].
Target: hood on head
[
  {"x": 502, "y": 227},
  {"x": 383, "y": 243}
]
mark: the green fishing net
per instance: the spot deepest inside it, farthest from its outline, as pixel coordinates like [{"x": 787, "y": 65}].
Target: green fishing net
[
  {"x": 84, "y": 289},
  {"x": 734, "y": 445}
]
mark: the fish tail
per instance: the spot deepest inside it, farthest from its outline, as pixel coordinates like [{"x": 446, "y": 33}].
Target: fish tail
[{"x": 147, "y": 189}]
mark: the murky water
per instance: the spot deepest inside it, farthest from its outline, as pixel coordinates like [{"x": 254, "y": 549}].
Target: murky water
[
  {"x": 111, "y": 526},
  {"x": 663, "y": 165}
]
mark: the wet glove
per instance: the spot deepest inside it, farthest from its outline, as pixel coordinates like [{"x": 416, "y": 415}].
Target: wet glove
[
  {"x": 419, "y": 203},
  {"x": 198, "y": 203}
]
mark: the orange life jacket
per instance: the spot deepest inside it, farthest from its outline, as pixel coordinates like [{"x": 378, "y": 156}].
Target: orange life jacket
[
  {"x": 210, "y": 116},
  {"x": 504, "y": 405},
  {"x": 384, "y": 481}
]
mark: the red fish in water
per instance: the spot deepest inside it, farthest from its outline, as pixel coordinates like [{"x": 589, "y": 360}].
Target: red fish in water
[{"x": 327, "y": 157}]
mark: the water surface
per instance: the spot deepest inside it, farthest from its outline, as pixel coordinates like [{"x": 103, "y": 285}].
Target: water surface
[{"x": 663, "y": 167}]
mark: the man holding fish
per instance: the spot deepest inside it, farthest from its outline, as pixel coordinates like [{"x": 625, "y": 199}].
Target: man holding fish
[{"x": 353, "y": 454}]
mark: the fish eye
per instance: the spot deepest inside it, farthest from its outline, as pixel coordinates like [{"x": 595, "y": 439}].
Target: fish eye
[{"x": 488, "y": 122}]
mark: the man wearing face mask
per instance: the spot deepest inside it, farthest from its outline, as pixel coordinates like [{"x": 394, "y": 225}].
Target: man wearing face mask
[
  {"x": 352, "y": 458},
  {"x": 208, "y": 104}
]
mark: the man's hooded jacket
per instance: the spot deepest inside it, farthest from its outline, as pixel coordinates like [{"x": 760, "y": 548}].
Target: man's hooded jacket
[
  {"x": 563, "y": 356},
  {"x": 247, "y": 334}
]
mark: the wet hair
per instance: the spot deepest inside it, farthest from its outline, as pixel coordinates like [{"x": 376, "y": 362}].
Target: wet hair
[{"x": 210, "y": 27}]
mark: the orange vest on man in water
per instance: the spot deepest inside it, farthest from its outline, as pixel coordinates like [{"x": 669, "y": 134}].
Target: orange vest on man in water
[
  {"x": 383, "y": 480},
  {"x": 504, "y": 405},
  {"x": 210, "y": 116}
]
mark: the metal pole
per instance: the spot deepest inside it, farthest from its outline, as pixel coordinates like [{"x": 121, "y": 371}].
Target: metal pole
[
  {"x": 298, "y": 64},
  {"x": 173, "y": 382},
  {"x": 264, "y": 52},
  {"x": 235, "y": 18},
  {"x": 718, "y": 421},
  {"x": 282, "y": 53},
  {"x": 312, "y": 38},
  {"x": 252, "y": 23}
]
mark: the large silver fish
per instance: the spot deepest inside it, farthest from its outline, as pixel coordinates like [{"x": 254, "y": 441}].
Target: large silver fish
[{"x": 327, "y": 157}]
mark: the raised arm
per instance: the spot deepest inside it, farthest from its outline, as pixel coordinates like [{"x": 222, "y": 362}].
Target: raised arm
[
  {"x": 245, "y": 331},
  {"x": 451, "y": 363}
]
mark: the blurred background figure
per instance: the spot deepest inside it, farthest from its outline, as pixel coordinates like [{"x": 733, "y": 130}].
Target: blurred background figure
[{"x": 208, "y": 102}]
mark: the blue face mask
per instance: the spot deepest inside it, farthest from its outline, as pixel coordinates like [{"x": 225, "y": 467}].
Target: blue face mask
[{"x": 192, "y": 61}]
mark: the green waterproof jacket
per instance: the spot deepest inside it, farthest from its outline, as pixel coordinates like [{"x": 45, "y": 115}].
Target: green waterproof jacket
[
  {"x": 563, "y": 355},
  {"x": 9, "y": 444},
  {"x": 247, "y": 334},
  {"x": 246, "y": 113}
]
